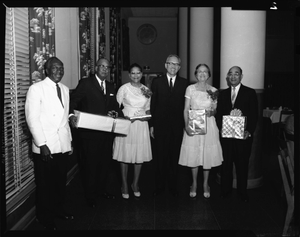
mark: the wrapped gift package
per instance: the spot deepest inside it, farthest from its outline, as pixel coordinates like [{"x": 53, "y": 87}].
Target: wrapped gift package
[
  {"x": 102, "y": 123},
  {"x": 233, "y": 126},
  {"x": 197, "y": 121}
]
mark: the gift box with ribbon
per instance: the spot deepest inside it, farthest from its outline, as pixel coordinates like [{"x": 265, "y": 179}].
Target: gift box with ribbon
[
  {"x": 102, "y": 123},
  {"x": 233, "y": 126},
  {"x": 197, "y": 121}
]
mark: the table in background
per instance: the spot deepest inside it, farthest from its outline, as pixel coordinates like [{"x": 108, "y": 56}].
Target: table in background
[{"x": 274, "y": 115}]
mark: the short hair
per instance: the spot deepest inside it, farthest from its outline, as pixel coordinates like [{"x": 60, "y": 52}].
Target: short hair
[
  {"x": 174, "y": 55},
  {"x": 49, "y": 63},
  {"x": 103, "y": 58},
  {"x": 205, "y": 65},
  {"x": 134, "y": 65},
  {"x": 240, "y": 69}
]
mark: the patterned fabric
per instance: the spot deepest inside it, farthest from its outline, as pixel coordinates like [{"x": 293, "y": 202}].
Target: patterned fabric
[
  {"x": 233, "y": 126},
  {"x": 42, "y": 39},
  {"x": 84, "y": 42}
]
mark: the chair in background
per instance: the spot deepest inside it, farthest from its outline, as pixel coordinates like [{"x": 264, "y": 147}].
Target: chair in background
[
  {"x": 287, "y": 173},
  {"x": 286, "y": 132},
  {"x": 284, "y": 114}
]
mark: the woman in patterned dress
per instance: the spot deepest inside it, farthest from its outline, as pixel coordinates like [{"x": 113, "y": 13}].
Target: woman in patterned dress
[
  {"x": 201, "y": 150},
  {"x": 135, "y": 148}
]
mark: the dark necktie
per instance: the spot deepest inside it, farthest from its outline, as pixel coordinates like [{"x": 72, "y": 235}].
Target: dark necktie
[
  {"x": 59, "y": 94},
  {"x": 171, "y": 83}
]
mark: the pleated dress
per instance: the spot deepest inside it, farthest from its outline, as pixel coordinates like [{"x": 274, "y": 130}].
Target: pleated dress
[
  {"x": 136, "y": 146},
  {"x": 201, "y": 150}
]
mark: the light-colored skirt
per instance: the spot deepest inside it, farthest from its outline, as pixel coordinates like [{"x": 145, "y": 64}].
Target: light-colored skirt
[
  {"x": 202, "y": 150},
  {"x": 136, "y": 146}
]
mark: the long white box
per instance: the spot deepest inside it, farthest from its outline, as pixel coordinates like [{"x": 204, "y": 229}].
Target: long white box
[{"x": 102, "y": 123}]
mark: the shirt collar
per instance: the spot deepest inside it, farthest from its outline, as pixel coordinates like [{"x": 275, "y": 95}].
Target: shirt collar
[
  {"x": 99, "y": 80},
  {"x": 49, "y": 81},
  {"x": 237, "y": 87},
  {"x": 171, "y": 77}
]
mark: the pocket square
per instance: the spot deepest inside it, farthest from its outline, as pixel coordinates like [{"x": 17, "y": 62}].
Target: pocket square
[{"x": 111, "y": 94}]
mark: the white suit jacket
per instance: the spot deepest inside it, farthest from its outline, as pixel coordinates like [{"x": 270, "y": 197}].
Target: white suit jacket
[{"x": 47, "y": 119}]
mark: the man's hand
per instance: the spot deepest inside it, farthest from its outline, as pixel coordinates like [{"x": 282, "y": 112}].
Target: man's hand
[
  {"x": 247, "y": 134},
  {"x": 73, "y": 120},
  {"x": 45, "y": 153},
  {"x": 112, "y": 114}
]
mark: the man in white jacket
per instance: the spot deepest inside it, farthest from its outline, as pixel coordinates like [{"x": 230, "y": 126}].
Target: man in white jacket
[{"x": 47, "y": 111}]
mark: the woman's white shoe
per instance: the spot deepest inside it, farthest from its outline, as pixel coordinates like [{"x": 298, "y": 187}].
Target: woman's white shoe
[
  {"x": 192, "y": 194},
  {"x": 124, "y": 195},
  {"x": 136, "y": 194},
  {"x": 206, "y": 194}
]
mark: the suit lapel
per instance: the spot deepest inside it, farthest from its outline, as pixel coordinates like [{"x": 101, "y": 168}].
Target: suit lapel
[
  {"x": 239, "y": 95},
  {"x": 96, "y": 84}
]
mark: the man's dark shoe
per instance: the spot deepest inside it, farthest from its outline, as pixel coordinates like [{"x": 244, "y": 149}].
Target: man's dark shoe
[
  {"x": 65, "y": 216},
  {"x": 108, "y": 196},
  {"x": 91, "y": 203}
]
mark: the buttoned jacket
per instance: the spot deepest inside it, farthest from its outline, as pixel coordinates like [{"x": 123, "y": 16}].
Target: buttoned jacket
[{"x": 47, "y": 118}]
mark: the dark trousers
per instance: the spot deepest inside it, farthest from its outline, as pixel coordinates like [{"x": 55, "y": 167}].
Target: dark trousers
[
  {"x": 50, "y": 179},
  {"x": 167, "y": 149},
  {"x": 97, "y": 161},
  {"x": 235, "y": 152}
]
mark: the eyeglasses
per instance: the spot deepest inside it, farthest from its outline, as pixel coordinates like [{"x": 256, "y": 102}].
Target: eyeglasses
[
  {"x": 173, "y": 64},
  {"x": 233, "y": 74},
  {"x": 104, "y": 67}
]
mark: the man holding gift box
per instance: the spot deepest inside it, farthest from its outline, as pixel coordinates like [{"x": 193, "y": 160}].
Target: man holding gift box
[
  {"x": 97, "y": 96},
  {"x": 241, "y": 100}
]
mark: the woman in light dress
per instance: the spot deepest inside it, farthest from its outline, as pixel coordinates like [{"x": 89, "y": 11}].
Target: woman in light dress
[
  {"x": 135, "y": 148},
  {"x": 201, "y": 150}
]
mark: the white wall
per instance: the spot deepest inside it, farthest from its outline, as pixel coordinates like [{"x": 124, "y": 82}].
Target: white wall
[{"x": 66, "y": 43}]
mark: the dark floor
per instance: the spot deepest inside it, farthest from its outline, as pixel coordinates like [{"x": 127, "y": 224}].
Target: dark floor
[{"x": 264, "y": 215}]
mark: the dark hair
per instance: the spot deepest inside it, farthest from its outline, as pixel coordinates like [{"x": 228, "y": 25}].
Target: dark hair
[
  {"x": 202, "y": 64},
  {"x": 241, "y": 71},
  {"x": 134, "y": 65},
  {"x": 49, "y": 63}
]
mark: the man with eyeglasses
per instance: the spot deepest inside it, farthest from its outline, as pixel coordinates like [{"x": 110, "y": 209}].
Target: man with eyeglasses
[
  {"x": 167, "y": 124},
  {"x": 96, "y": 95}
]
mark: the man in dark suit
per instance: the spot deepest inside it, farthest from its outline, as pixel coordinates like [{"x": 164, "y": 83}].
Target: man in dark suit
[
  {"x": 167, "y": 124},
  {"x": 97, "y": 96},
  {"x": 237, "y": 151}
]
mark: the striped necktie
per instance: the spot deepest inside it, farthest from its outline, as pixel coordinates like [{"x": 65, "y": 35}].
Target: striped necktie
[
  {"x": 233, "y": 95},
  {"x": 102, "y": 87}
]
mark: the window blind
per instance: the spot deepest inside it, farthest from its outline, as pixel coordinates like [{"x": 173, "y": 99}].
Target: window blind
[{"x": 16, "y": 139}]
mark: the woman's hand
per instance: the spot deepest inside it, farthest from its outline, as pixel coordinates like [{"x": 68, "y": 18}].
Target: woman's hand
[
  {"x": 189, "y": 131},
  {"x": 210, "y": 112}
]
